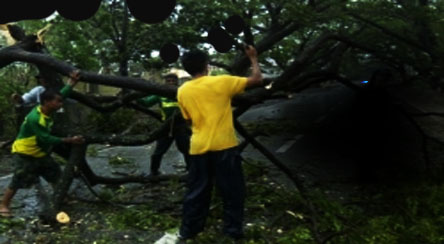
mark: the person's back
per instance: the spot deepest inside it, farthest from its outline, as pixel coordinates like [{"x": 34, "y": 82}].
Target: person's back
[
  {"x": 208, "y": 101},
  {"x": 32, "y": 97},
  {"x": 205, "y": 101}
]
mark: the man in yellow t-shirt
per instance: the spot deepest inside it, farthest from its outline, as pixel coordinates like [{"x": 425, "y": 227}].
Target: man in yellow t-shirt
[{"x": 206, "y": 102}]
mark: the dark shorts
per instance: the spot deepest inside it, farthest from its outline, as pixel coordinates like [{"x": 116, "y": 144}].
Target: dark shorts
[{"x": 28, "y": 170}]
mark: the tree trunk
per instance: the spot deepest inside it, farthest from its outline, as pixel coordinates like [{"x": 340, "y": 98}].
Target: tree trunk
[{"x": 52, "y": 205}]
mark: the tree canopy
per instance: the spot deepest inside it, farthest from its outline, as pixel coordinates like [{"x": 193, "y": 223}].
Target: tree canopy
[{"x": 295, "y": 38}]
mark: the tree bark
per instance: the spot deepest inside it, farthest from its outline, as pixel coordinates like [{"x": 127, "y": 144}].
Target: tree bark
[{"x": 53, "y": 204}]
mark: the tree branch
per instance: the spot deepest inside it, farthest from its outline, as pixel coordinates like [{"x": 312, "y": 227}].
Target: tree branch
[
  {"x": 14, "y": 53},
  {"x": 241, "y": 64},
  {"x": 391, "y": 33},
  {"x": 133, "y": 140}
]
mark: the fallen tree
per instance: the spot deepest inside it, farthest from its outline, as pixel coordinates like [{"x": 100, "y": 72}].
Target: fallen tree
[{"x": 318, "y": 56}]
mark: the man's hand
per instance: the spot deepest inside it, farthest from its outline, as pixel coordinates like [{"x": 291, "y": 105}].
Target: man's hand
[
  {"x": 251, "y": 52},
  {"x": 255, "y": 78},
  {"x": 77, "y": 140},
  {"x": 74, "y": 77},
  {"x": 74, "y": 140}
]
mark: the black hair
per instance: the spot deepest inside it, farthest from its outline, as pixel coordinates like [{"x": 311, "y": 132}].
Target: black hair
[
  {"x": 48, "y": 95},
  {"x": 195, "y": 62},
  {"x": 41, "y": 80},
  {"x": 171, "y": 75}
]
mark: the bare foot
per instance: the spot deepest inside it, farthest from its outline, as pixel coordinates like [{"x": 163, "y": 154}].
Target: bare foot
[{"x": 5, "y": 212}]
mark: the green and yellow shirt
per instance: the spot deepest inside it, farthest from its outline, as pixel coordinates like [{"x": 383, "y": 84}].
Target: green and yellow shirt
[
  {"x": 34, "y": 138},
  {"x": 167, "y": 105}
]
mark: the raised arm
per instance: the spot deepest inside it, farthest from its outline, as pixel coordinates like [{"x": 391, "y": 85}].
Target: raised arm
[
  {"x": 74, "y": 77},
  {"x": 255, "y": 79}
]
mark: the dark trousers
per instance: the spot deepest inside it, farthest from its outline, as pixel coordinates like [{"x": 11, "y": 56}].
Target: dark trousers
[
  {"x": 225, "y": 169},
  {"x": 182, "y": 138}
]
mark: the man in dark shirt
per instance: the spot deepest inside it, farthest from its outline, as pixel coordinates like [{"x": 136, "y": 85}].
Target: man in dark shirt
[{"x": 178, "y": 131}]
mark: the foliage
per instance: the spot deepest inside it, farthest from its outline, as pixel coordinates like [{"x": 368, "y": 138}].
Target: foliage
[
  {"x": 92, "y": 151},
  {"x": 9, "y": 223},
  {"x": 13, "y": 79},
  {"x": 407, "y": 215},
  {"x": 143, "y": 218},
  {"x": 117, "y": 160},
  {"x": 402, "y": 35},
  {"x": 275, "y": 213},
  {"x": 120, "y": 122}
]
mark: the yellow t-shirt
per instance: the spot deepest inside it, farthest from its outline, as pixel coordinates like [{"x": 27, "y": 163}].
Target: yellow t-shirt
[{"x": 206, "y": 101}]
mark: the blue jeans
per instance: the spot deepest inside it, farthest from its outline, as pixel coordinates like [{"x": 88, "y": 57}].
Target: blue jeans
[{"x": 223, "y": 168}]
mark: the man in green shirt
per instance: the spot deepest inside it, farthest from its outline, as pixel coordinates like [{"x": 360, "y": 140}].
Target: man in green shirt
[
  {"x": 178, "y": 132},
  {"x": 33, "y": 145}
]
